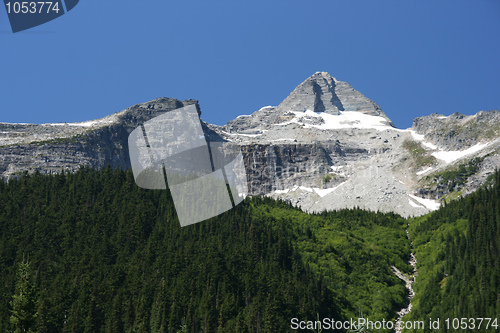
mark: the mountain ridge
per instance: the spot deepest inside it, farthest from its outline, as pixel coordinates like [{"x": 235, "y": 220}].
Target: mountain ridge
[{"x": 326, "y": 146}]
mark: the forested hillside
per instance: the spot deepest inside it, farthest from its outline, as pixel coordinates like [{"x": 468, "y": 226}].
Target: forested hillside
[
  {"x": 458, "y": 254},
  {"x": 91, "y": 252}
]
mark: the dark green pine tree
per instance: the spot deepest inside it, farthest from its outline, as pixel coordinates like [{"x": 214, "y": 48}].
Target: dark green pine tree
[{"x": 24, "y": 305}]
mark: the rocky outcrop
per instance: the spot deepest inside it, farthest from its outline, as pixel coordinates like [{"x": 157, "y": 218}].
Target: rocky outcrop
[
  {"x": 458, "y": 131},
  {"x": 461, "y": 152},
  {"x": 278, "y": 167},
  {"x": 50, "y": 148}
]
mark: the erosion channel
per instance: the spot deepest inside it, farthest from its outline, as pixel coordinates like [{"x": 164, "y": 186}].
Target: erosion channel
[{"x": 408, "y": 282}]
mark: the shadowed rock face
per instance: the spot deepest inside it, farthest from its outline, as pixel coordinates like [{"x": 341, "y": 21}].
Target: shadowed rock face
[
  {"x": 321, "y": 92},
  {"x": 344, "y": 152},
  {"x": 317, "y": 93},
  {"x": 277, "y": 167}
]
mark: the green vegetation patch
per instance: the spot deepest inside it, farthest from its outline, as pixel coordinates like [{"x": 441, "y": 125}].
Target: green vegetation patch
[
  {"x": 419, "y": 154},
  {"x": 328, "y": 178},
  {"x": 454, "y": 178},
  {"x": 353, "y": 251}
]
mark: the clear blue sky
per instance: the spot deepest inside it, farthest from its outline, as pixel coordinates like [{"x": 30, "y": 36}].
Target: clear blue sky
[{"x": 411, "y": 57}]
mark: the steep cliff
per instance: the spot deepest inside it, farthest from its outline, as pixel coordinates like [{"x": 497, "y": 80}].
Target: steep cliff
[{"x": 49, "y": 148}]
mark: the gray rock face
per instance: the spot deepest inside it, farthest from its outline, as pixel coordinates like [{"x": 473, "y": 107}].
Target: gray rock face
[
  {"x": 458, "y": 131},
  {"x": 277, "y": 167},
  {"x": 342, "y": 152},
  {"x": 353, "y": 100},
  {"x": 321, "y": 92},
  {"x": 317, "y": 94},
  {"x": 50, "y": 148}
]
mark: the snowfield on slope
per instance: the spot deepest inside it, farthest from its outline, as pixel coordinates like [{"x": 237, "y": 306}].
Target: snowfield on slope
[
  {"x": 428, "y": 203},
  {"x": 452, "y": 156},
  {"x": 421, "y": 139},
  {"x": 346, "y": 119},
  {"x": 319, "y": 191}
]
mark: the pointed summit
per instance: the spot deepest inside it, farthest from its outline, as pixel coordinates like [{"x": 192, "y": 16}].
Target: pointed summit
[
  {"x": 321, "y": 92},
  {"x": 316, "y": 93}
]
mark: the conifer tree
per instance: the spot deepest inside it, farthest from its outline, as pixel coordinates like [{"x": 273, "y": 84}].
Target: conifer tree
[{"x": 24, "y": 305}]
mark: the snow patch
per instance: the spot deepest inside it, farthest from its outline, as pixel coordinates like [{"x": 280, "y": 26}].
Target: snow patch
[
  {"x": 424, "y": 171},
  {"x": 266, "y": 107},
  {"x": 326, "y": 191},
  {"x": 241, "y": 134},
  {"x": 284, "y": 140},
  {"x": 338, "y": 170},
  {"x": 416, "y": 136},
  {"x": 429, "y": 145},
  {"x": 420, "y": 137},
  {"x": 249, "y": 135},
  {"x": 55, "y": 124},
  {"x": 413, "y": 204},
  {"x": 428, "y": 203},
  {"x": 451, "y": 156},
  {"x": 319, "y": 191},
  {"x": 91, "y": 123},
  {"x": 86, "y": 124},
  {"x": 311, "y": 113},
  {"x": 346, "y": 119}
]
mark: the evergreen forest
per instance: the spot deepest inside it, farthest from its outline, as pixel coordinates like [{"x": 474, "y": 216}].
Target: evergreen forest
[{"x": 91, "y": 252}]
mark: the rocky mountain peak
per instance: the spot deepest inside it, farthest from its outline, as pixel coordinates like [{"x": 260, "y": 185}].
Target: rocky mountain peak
[
  {"x": 321, "y": 100},
  {"x": 165, "y": 103},
  {"x": 316, "y": 93},
  {"x": 321, "y": 92}
]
